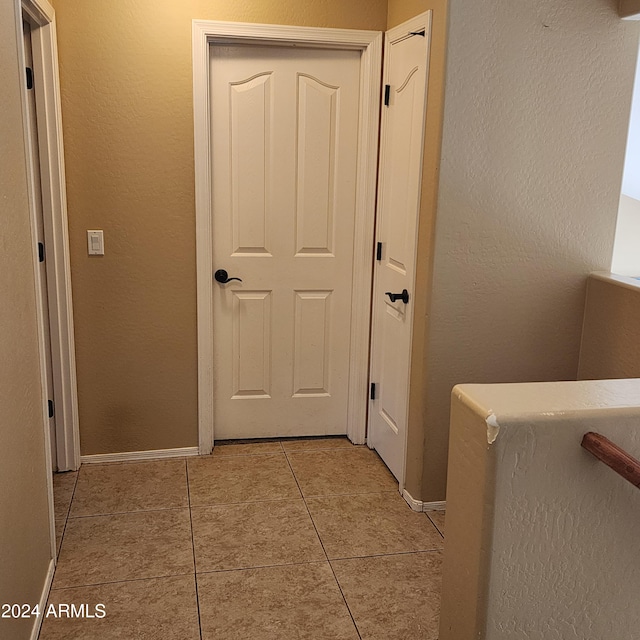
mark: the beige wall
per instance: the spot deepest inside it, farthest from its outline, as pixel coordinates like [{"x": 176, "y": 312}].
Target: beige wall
[
  {"x": 611, "y": 331},
  {"x": 398, "y": 12},
  {"x": 629, "y": 8},
  {"x": 533, "y": 148},
  {"x": 128, "y": 123},
  {"x": 24, "y": 522}
]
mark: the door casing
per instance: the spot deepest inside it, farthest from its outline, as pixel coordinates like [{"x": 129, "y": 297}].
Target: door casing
[
  {"x": 41, "y": 16},
  {"x": 369, "y": 43}
]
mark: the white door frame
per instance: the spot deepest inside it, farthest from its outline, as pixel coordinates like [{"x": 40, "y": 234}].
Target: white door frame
[
  {"x": 369, "y": 43},
  {"x": 41, "y": 16}
]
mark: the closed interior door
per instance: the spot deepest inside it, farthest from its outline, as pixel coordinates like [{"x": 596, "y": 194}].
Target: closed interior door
[
  {"x": 402, "y": 142},
  {"x": 284, "y": 160}
]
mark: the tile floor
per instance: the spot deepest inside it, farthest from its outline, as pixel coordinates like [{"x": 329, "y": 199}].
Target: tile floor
[{"x": 304, "y": 538}]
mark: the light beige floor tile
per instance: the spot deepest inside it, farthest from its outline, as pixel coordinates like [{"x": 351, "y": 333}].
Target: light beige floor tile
[
  {"x": 130, "y": 486},
  {"x": 63, "y": 486},
  {"x": 316, "y": 444},
  {"x": 274, "y": 603},
  {"x": 225, "y": 480},
  {"x": 254, "y": 534},
  {"x": 341, "y": 471},
  {"x": 59, "y": 531},
  {"x": 437, "y": 517},
  {"x": 371, "y": 524},
  {"x": 393, "y": 597},
  {"x": 125, "y": 546},
  {"x": 156, "y": 609},
  {"x": 245, "y": 448}
]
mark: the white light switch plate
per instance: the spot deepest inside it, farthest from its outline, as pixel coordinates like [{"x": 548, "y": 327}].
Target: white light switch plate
[{"x": 95, "y": 242}]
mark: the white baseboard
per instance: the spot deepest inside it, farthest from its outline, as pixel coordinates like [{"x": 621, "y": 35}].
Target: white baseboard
[
  {"x": 127, "y": 456},
  {"x": 419, "y": 505},
  {"x": 35, "y": 631},
  {"x": 434, "y": 506}
]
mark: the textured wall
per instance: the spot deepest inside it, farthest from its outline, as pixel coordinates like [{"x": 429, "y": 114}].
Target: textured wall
[
  {"x": 536, "y": 111},
  {"x": 554, "y": 553},
  {"x": 398, "y": 12},
  {"x": 611, "y": 332},
  {"x": 24, "y": 522},
  {"x": 128, "y": 126}
]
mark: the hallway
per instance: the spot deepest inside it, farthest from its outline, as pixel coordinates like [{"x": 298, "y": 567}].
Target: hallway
[{"x": 289, "y": 539}]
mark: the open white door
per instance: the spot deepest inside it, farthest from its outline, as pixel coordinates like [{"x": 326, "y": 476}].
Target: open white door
[{"x": 403, "y": 119}]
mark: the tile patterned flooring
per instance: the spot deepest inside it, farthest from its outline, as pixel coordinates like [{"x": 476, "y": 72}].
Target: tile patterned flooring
[{"x": 305, "y": 539}]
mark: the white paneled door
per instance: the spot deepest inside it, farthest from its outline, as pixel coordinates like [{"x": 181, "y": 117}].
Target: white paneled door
[
  {"x": 284, "y": 160},
  {"x": 402, "y": 143}
]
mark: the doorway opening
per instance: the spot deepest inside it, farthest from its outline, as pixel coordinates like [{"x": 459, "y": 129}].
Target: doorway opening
[{"x": 314, "y": 300}]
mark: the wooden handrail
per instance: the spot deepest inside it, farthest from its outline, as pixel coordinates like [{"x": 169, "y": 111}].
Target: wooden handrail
[{"x": 613, "y": 456}]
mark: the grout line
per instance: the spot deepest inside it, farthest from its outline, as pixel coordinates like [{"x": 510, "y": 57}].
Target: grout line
[
  {"x": 122, "y": 513},
  {"x": 193, "y": 548},
  {"x": 225, "y": 456},
  {"x": 434, "y": 524},
  {"x": 351, "y": 447},
  {"x": 270, "y": 566},
  {"x": 236, "y": 504},
  {"x": 263, "y": 566},
  {"x": 345, "y": 495},
  {"x": 387, "y": 555},
  {"x": 66, "y": 520},
  {"x": 100, "y": 584},
  {"x": 346, "y": 604}
]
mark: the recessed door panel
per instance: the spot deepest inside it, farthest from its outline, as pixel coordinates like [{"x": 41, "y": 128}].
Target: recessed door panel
[
  {"x": 251, "y": 125},
  {"x": 312, "y": 339},
  {"x": 316, "y": 165},
  {"x": 251, "y": 344},
  {"x": 400, "y": 231}
]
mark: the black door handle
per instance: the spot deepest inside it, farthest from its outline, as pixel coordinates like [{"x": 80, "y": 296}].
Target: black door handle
[
  {"x": 404, "y": 296},
  {"x": 222, "y": 277}
]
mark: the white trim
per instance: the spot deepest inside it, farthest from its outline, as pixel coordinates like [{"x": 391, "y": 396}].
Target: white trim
[
  {"x": 416, "y": 505},
  {"x": 628, "y": 282},
  {"x": 419, "y": 505},
  {"x": 42, "y": 604},
  {"x": 153, "y": 454},
  {"x": 370, "y": 44},
  {"x": 54, "y": 204}
]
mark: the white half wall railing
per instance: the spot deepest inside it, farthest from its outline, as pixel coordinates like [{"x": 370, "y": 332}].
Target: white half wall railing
[{"x": 542, "y": 538}]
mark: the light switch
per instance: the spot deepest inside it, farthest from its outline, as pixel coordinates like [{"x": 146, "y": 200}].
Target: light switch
[{"x": 95, "y": 242}]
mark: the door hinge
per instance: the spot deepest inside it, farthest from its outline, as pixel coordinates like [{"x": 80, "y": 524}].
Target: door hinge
[
  {"x": 29, "y": 72},
  {"x": 51, "y": 408},
  {"x": 387, "y": 94},
  {"x": 372, "y": 395},
  {"x": 40, "y": 252},
  {"x": 379, "y": 251}
]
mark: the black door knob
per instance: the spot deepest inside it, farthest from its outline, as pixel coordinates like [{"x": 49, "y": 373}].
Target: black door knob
[
  {"x": 404, "y": 296},
  {"x": 222, "y": 277}
]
